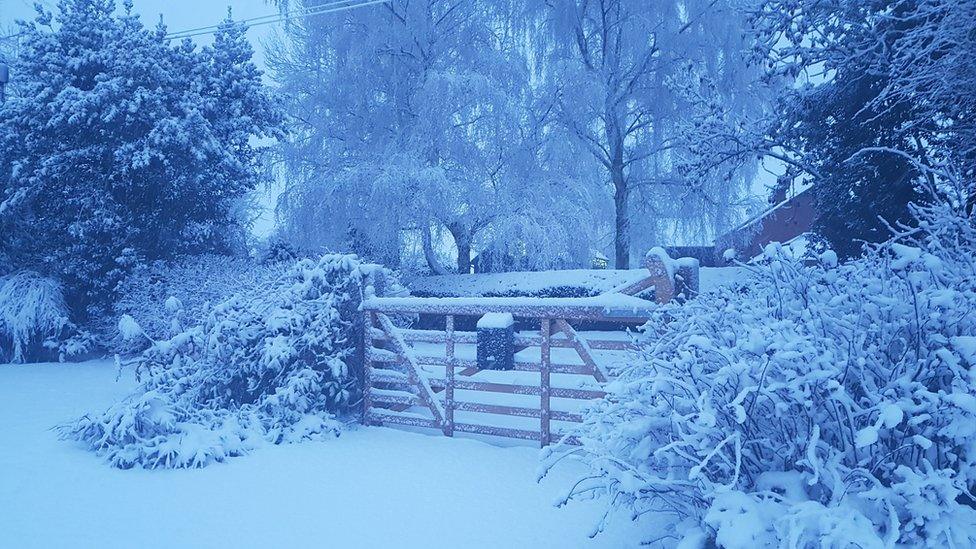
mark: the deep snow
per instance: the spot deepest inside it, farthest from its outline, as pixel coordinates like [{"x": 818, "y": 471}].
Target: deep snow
[{"x": 372, "y": 487}]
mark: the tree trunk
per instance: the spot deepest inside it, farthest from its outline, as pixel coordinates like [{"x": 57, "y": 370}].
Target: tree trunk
[
  {"x": 621, "y": 192},
  {"x": 464, "y": 257},
  {"x": 429, "y": 255},
  {"x": 462, "y": 237},
  {"x": 622, "y": 217}
]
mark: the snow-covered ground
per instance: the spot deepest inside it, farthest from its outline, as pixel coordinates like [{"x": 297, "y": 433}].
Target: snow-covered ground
[
  {"x": 595, "y": 280},
  {"x": 372, "y": 487}
]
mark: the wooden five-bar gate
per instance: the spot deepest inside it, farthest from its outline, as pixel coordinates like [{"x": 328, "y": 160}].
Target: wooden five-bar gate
[{"x": 429, "y": 377}]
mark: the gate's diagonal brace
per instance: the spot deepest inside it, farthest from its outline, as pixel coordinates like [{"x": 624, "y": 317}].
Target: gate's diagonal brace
[
  {"x": 413, "y": 370},
  {"x": 584, "y": 351}
]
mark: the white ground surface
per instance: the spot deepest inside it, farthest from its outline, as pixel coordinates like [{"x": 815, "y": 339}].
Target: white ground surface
[{"x": 371, "y": 488}]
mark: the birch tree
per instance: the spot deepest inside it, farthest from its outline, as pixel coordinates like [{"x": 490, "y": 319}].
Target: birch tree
[{"x": 614, "y": 66}]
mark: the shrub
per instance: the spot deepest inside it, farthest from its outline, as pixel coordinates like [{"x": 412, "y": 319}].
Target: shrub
[
  {"x": 276, "y": 365},
  {"x": 810, "y": 406},
  {"x": 164, "y": 297},
  {"x": 32, "y": 311}
]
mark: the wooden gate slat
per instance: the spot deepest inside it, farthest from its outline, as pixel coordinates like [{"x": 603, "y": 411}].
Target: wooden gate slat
[
  {"x": 496, "y": 431},
  {"x": 584, "y": 351},
  {"x": 413, "y": 370},
  {"x": 379, "y": 416}
]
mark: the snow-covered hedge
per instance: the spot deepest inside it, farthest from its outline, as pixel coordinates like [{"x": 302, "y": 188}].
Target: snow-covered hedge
[
  {"x": 276, "y": 365},
  {"x": 33, "y": 316},
  {"x": 164, "y": 297},
  {"x": 821, "y": 406}
]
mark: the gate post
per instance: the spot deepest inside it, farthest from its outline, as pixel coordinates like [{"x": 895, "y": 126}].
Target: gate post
[
  {"x": 544, "y": 433},
  {"x": 449, "y": 390},
  {"x": 368, "y": 321}
]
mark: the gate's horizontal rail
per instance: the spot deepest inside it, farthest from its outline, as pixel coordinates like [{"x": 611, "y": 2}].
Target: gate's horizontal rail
[
  {"x": 496, "y": 431},
  {"x": 389, "y": 376},
  {"x": 471, "y": 338},
  {"x": 607, "y": 308},
  {"x": 379, "y": 416},
  {"x": 517, "y": 366}
]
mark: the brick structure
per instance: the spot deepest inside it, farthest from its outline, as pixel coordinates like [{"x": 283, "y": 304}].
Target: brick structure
[{"x": 788, "y": 218}]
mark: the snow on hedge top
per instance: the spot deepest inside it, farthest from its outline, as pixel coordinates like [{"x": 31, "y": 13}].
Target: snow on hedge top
[
  {"x": 496, "y": 320},
  {"x": 608, "y": 301},
  {"x": 605, "y": 306},
  {"x": 593, "y": 281}
]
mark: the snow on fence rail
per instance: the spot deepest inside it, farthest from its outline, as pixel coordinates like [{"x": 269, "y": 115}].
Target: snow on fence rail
[{"x": 432, "y": 378}]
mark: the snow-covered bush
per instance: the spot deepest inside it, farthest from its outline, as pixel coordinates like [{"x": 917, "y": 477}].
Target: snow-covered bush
[
  {"x": 277, "y": 365},
  {"x": 811, "y": 406},
  {"x": 279, "y": 250},
  {"x": 164, "y": 297},
  {"x": 33, "y": 315},
  {"x": 121, "y": 146}
]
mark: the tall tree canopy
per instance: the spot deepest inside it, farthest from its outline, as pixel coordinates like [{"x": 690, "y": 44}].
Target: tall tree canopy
[
  {"x": 533, "y": 130},
  {"x": 415, "y": 118},
  {"x": 118, "y": 147},
  {"x": 625, "y": 74}
]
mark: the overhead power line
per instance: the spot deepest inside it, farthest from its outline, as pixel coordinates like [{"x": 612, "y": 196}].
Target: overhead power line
[
  {"x": 265, "y": 18},
  {"x": 331, "y": 7}
]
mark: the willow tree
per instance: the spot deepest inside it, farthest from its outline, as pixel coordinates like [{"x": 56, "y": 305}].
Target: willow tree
[{"x": 413, "y": 119}]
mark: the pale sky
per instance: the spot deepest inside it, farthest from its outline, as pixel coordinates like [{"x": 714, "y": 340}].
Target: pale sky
[{"x": 177, "y": 14}]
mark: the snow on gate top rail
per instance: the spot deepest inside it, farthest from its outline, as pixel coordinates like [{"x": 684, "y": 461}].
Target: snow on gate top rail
[{"x": 609, "y": 307}]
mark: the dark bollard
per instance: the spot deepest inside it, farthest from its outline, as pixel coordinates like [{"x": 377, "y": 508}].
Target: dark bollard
[{"x": 686, "y": 278}]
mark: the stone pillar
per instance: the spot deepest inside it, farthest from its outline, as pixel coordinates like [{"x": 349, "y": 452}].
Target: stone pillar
[{"x": 496, "y": 342}]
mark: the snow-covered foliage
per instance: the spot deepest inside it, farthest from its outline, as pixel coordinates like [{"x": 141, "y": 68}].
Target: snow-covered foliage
[
  {"x": 32, "y": 312},
  {"x": 871, "y": 95},
  {"x": 622, "y": 72},
  {"x": 121, "y": 147},
  {"x": 165, "y": 297},
  {"x": 812, "y": 406},
  {"x": 417, "y": 121},
  {"x": 278, "y": 365}
]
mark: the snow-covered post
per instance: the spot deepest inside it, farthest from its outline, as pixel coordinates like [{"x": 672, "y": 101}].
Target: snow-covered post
[
  {"x": 686, "y": 279},
  {"x": 544, "y": 432},
  {"x": 449, "y": 389},
  {"x": 369, "y": 321},
  {"x": 661, "y": 268},
  {"x": 496, "y": 341}
]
